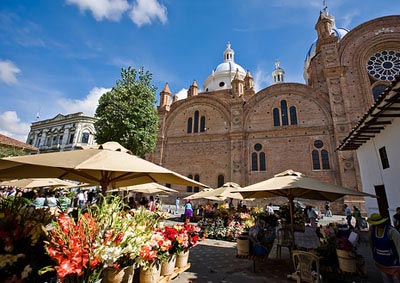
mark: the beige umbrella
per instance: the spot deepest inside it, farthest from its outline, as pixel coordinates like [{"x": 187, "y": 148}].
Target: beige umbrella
[
  {"x": 150, "y": 188},
  {"x": 38, "y": 183},
  {"x": 108, "y": 165},
  {"x": 227, "y": 191},
  {"x": 221, "y": 193},
  {"x": 204, "y": 194},
  {"x": 292, "y": 185}
]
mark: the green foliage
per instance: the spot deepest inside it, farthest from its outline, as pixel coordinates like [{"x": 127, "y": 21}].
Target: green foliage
[
  {"x": 127, "y": 113},
  {"x": 9, "y": 151},
  {"x": 298, "y": 214}
]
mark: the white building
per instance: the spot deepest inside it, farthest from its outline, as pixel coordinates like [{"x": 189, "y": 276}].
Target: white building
[
  {"x": 376, "y": 139},
  {"x": 63, "y": 132}
]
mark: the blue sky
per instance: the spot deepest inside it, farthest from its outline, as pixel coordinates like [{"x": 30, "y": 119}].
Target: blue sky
[{"x": 59, "y": 56}]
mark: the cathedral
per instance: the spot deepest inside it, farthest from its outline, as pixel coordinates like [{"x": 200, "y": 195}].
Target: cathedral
[{"x": 228, "y": 132}]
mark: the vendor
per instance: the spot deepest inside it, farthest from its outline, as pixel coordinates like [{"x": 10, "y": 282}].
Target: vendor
[{"x": 385, "y": 241}]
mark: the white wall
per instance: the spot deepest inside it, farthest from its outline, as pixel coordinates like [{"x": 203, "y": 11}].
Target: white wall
[{"x": 371, "y": 170}]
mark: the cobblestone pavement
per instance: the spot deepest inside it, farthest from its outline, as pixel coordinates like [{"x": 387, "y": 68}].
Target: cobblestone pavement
[{"x": 215, "y": 261}]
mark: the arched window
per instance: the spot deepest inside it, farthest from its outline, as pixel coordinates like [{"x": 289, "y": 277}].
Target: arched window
[
  {"x": 202, "y": 124},
  {"x": 320, "y": 156},
  {"x": 293, "y": 115},
  {"x": 325, "y": 159},
  {"x": 258, "y": 159},
  {"x": 315, "y": 160},
  {"x": 254, "y": 162},
  {"x": 85, "y": 138},
  {"x": 189, "y": 189},
  {"x": 276, "y": 117},
  {"x": 221, "y": 181},
  {"x": 285, "y": 119},
  {"x": 196, "y": 178},
  {"x": 262, "y": 162},
  {"x": 284, "y": 115},
  {"x": 196, "y": 122},
  {"x": 190, "y": 125}
]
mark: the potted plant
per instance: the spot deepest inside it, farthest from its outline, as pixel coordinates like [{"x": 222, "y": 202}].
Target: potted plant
[{"x": 151, "y": 255}]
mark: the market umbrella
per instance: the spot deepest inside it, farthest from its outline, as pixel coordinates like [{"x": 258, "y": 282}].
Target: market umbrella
[
  {"x": 108, "y": 165},
  {"x": 291, "y": 184},
  {"x": 30, "y": 183},
  {"x": 150, "y": 188},
  {"x": 226, "y": 191},
  {"x": 223, "y": 192},
  {"x": 203, "y": 194}
]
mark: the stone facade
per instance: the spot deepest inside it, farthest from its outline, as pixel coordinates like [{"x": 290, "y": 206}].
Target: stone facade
[
  {"x": 63, "y": 132},
  {"x": 225, "y": 135}
]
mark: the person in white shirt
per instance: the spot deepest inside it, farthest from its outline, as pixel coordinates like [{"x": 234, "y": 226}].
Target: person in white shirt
[
  {"x": 81, "y": 199},
  {"x": 269, "y": 209}
]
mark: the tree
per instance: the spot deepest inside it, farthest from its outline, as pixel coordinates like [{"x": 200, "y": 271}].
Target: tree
[{"x": 127, "y": 113}]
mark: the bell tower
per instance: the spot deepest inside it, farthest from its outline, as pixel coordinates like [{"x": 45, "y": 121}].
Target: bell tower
[{"x": 278, "y": 74}]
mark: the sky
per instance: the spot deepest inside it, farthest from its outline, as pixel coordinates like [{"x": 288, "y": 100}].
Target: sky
[{"x": 59, "y": 56}]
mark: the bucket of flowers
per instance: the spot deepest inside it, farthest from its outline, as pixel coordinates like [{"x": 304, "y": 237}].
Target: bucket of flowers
[
  {"x": 71, "y": 245},
  {"x": 188, "y": 235},
  {"x": 102, "y": 243},
  {"x": 151, "y": 255},
  {"x": 121, "y": 235}
]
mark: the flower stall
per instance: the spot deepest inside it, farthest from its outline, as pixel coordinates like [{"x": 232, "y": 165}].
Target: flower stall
[{"x": 105, "y": 243}]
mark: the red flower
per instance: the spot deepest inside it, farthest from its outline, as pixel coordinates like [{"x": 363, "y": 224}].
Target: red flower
[{"x": 70, "y": 245}]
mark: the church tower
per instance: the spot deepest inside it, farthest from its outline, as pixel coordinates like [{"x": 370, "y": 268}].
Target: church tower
[
  {"x": 237, "y": 85},
  {"x": 248, "y": 85},
  {"x": 193, "y": 89},
  {"x": 334, "y": 80},
  {"x": 278, "y": 74},
  {"x": 324, "y": 27},
  {"x": 165, "y": 98}
]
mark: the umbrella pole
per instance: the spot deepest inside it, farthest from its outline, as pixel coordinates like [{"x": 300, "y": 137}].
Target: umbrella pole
[{"x": 291, "y": 211}]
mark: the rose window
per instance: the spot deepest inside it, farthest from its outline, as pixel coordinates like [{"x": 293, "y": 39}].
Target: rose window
[{"x": 384, "y": 65}]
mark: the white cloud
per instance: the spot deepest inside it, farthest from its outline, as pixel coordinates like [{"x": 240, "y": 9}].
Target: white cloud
[
  {"x": 8, "y": 72},
  {"x": 145, "y": 11},
  {"x": 107, "y": 9},
  {"x": 182, "y": 94},
  {"x": 346, "y": 19},
  {"x": 88, "y": 105},
  {"x": 261, "y": 79},
  {"x": 11, "y": 126}
]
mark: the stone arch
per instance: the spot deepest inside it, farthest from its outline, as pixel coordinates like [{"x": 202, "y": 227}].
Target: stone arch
[
  {"x": 87, "y": 129},
  {"x": 295, "y": 89},
  {"x": 181, "y": 106},
  {"x": 358, "y": 45}
]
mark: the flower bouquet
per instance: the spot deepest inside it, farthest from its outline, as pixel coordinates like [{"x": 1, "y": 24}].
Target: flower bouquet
[
  {"x": 121, "y": 233},
  {"x": 22, "y": 252},
  {"x": 71, "y": 245},
  {"x": 151, "y": 255},
  {"x": 105, "y": 237}
]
